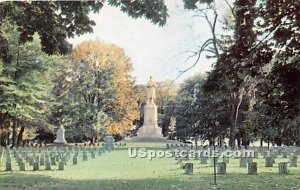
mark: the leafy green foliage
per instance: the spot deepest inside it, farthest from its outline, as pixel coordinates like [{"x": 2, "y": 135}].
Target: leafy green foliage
[
  {"x": 258, "y": 74},
  {"x": 64, "y": 19},
  {"x": 24, "y": 82},
  {"x": 192, "y": 4},
  {"x": 93, "y": 96},
  {"x": 153, "y": 10},
  {"x": 55, "y": 21}
]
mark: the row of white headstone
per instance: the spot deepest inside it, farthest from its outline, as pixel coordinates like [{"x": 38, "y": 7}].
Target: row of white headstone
[
  {"x": 47, "y": 157},
  {"x": 244, "y": 162},
  {"x": 251, "y": 166}
]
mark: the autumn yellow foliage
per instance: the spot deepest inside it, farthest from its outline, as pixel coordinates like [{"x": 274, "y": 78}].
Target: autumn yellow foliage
[{"x": 103, "y": 56}]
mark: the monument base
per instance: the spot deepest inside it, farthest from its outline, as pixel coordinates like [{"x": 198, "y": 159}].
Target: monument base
[
  {"x": 61, "y": 142},
  {"x": 150, "y": 132},
  {"x": 148, "y": 139}
]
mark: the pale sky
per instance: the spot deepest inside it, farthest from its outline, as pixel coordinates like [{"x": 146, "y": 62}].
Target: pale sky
[{"x": 154, "y": 51}]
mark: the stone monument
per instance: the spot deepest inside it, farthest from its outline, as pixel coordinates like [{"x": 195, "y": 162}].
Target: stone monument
[
  {"x": 109, "y": 142},
  {"x": 150, "y": 128},
  {"x": 60, "y": 136}
]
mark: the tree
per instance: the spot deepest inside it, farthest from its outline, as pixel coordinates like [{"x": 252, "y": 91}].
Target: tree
[
  {"x": 184, "y": 111},
  {"x": 172, "y": 127},
  {"x": 281, "y": 21},
  {"x": 241, "y": 71},
  {"x": 94, "y": 96},
  {"x": 55, "y": 21},
  {"x": 24, "y": 84},
  {"x": 219, "y": 41}
]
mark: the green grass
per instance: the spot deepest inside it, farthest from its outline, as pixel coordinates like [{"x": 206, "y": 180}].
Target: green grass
[{"x": 115, "y": 170}]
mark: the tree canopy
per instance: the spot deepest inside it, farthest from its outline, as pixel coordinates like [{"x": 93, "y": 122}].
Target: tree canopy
[
  {"x": 55, "y": 21},
  {"x": 95, "y": 94},
  {"x": 257, "y": 74}
]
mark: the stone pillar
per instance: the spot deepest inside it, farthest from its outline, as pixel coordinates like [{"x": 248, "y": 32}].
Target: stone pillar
[
  {"x": 255, "y": 154},
  {"x": 269, "y": 161},
  {"x": 31, "y": 161},
  {"x": 8, "y": 164},
  {"x": 53, "y": 162},
  {"x": 42, "y": 160},
  {"x": 252, "y": 168},
  {"x": 84, "y": 156},
  {"x": 36, "y": 166},
  {"x": 221, "y": 168},
  {"x": 284, "y": 154},
  {"x": 61, "y": 165},
  {"x": 109, "y": 142},
  {"x": 188, "y": 168},
  {"x": 282, "y": 168},
  {"x": 93, "y": 155},
  {"x": 47, "y": 165},
  {"x": 243, "y": 162},
  {"x": 293, "y": 160},
  {"x": 74, "y": 160},
  {"x": 22, "y": 165}
]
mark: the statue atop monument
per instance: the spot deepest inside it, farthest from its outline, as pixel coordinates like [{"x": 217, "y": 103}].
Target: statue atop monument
[{"x": 151, "y": 94}]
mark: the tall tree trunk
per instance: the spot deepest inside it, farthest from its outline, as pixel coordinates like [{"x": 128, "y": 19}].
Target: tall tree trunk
[
  {"x": 195, "y": 139},
  {"x": 238, "y": 141},
  {"x": 1, "y": 132},
  {"x": 245, "y": 142},
  {"x": 3, "y": 117},
  {"x": 232, "y": 126},
  {"x": 7, "y": 143},
  {"x": 298, "y": 143},
  {"x": 3, "y": 138},
  {"x": 243, "y": 25},
  {"x": 20, "y": 136},
  {"x": 14, "y": 133}
]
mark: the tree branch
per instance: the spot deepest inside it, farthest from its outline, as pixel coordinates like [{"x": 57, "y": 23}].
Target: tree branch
[
  {"x": 204, "y": 45},
  {"x": 213, "y": 28},
  {"x": 231, "y": 8}
]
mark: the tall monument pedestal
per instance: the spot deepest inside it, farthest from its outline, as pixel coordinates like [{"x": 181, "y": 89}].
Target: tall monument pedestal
[{"x": 150, "y": 128}]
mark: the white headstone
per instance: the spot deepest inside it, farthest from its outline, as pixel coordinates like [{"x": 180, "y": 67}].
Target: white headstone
[{"x": 109, "y": 142}]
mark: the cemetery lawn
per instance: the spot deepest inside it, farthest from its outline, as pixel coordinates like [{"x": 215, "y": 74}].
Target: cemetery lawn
[{"x": 115, "y": 170}]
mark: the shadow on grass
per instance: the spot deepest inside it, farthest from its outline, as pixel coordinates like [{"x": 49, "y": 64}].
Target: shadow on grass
[
  {"x": 12, "y": 181},
  {"x": 16, "y": 181}
]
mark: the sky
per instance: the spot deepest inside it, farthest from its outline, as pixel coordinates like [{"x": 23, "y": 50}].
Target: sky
[{"x": 154, "y": 51}]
